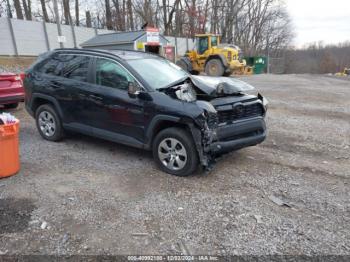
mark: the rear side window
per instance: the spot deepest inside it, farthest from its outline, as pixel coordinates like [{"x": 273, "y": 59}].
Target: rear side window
[
  {"x": 75, "y": 67},
  {"x": 52, "y": 66}
]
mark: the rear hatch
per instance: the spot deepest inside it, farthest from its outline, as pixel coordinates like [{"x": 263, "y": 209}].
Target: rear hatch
[{"x": 11, "y": 85}]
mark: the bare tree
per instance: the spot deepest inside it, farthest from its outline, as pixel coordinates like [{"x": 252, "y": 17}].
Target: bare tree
[
  {"x": 118, "y": 15},
  {"x": 66, "y": 12},
  {"x": 88, "y": 19},
  {"x": 147, "y": 11},
  {"x": 27, "y": 6},
  {"x": 8, "y": 7},
  {"x": 257, "y": 26},
  {"x": 168, "y": 14},
  {"x": 316, "y": 58},
  {"x": 44, "y": 10},
  {"x": 130, "y": 15},
  {"x": 18, "y": 9},
  {"x": 108, "y": 15},
  {"x": 77, "y": 21}
]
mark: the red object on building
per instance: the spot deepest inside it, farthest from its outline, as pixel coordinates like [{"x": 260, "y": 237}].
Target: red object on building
[
  {"x": 169, "y": 52},
  {"x": 11, "y": 89}
]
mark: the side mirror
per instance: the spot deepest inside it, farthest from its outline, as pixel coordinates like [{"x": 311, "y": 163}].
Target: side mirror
[{"x": 133, "y": 89}]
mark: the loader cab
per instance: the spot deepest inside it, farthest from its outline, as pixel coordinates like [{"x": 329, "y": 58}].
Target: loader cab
[{"x": 205, "y": 42}]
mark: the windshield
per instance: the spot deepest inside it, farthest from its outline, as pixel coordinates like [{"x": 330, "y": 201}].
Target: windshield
[{"x": 158, "y": 73}]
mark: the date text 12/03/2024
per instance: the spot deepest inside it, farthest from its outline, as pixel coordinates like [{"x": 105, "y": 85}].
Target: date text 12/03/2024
[{"x": 173, "y": 258}]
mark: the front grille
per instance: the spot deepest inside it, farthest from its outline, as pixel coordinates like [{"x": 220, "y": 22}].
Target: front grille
[{"x": 245, "y": 111}]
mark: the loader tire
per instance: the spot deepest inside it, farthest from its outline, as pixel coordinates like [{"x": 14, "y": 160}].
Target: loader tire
[{"x": 214, "y": 67}]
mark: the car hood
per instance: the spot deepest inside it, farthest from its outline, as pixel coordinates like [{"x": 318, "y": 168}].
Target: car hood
[{"x": 221, "y": 86}]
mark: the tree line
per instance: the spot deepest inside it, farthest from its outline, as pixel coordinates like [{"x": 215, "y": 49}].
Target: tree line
[
  {"x": 257, "y": 26},
  {"x": 317, "y": 58}
]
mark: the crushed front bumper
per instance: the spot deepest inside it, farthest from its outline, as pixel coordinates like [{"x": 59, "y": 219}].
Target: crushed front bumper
[{"x": 238, "y": 135}]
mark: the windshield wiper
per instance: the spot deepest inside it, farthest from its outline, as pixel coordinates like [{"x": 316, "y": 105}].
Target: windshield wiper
[{"x": 174, "y": 83}]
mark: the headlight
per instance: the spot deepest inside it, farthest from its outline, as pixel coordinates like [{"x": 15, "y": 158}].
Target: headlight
[{"x": 265, "y": 102}]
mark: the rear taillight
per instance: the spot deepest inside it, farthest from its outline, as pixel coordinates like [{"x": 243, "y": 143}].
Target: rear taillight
[{"x": 22, "y": 76}]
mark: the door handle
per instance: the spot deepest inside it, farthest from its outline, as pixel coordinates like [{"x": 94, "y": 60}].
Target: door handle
[
  {"x": 116, "y": 107},
  {"x": 96, "y": 97},
  {"x": 55, "y": 85}
]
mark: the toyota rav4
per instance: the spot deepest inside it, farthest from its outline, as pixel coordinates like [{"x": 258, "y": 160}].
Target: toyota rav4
[{"x": 145, "y": 101}]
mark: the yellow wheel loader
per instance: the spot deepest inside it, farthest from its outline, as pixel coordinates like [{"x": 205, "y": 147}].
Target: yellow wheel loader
[
  {"x": 346, "y": 72},
  {"x": 213, "y": 58}
]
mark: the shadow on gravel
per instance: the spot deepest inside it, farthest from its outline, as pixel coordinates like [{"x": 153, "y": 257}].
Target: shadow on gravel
[
  {"x": 81, "y": 141},
  {"x": 15, "y": 214}
]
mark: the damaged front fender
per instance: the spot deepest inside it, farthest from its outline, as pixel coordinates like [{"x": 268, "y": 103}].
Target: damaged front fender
[
  {"x": 202, "y": 146},
  {"x": 204, "y": 133}
]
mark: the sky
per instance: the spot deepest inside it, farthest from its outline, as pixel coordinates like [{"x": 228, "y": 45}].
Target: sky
[{"x": 320, "y": 20}]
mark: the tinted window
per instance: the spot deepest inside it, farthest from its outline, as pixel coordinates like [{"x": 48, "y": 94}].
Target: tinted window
[
  {"x": 75, "y": 67},
  {"x": 52, "y": 66},
  {"x": 111, "y": 74}
]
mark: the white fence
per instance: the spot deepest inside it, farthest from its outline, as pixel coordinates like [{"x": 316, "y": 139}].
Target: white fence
[{"x": 30, "y": 38}]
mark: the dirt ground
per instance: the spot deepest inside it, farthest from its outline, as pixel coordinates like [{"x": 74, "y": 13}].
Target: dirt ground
[{"x": 97, "y": 197}]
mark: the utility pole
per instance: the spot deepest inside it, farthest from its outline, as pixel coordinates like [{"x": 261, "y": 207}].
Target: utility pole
[
  {"x": 268, "y": 54},
  {"x": 268, "y": 60},
  {"x": 55, "y": 7}
]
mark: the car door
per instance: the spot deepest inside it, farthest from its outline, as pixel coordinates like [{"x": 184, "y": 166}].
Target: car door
[
  {"x": 116, "y": 114},
  {"x": 48, "y": 81},
  {"x": 76, "y": 78}
]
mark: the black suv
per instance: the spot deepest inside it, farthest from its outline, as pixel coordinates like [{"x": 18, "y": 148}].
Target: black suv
[{"x": 145, "y": 101}]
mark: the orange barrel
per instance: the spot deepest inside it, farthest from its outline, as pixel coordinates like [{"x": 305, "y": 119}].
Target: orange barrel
[{"x": 9, "y": 149}]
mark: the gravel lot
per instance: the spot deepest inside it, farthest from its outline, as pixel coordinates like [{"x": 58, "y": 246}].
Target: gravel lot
[{"x": 97, "y": 197}]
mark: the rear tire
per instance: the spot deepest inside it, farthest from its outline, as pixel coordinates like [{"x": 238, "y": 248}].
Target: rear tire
[
  {"x": 11, "y": 106},
  {"x": 175, "y": 152},
  {"x": 48, "y": 123},
  {"x": 214, "y": 67}
]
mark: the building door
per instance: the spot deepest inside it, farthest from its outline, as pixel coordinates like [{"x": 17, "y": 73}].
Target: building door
[{"x": 152, "y": 49}]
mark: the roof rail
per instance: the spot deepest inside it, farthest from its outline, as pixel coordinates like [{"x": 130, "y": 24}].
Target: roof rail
[{"x": 109, "y": 52}]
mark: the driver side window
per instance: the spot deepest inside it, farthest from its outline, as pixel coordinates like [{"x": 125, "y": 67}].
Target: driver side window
[{"x": 111, "y": 74}]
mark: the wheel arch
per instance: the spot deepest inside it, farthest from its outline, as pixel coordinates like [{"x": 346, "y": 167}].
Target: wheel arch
[
  {"x": 161, "y": 122},
  {"x": 41, "y": 99}
]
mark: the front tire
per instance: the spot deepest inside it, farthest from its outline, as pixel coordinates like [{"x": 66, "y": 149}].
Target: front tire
[
  {"x": 48, "y": 123},
  {"x": 214, "y": 67},
  {"x": 175, "y": 152}
]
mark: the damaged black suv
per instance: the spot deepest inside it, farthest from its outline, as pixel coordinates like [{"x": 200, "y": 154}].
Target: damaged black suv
[{"x": 145, "y": 101}]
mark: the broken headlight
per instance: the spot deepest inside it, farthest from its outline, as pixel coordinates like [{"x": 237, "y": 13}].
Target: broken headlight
[
  {"x": 264, "y": 101},
  {"x": 185, "y": 92},
  {"x": 209, "y": 117}
]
